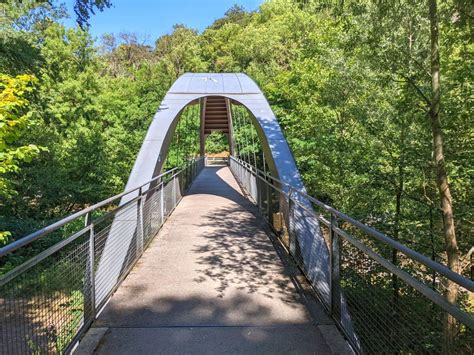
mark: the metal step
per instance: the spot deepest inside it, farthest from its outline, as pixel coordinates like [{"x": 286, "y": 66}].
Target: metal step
[{"x": 215, "y": 115}]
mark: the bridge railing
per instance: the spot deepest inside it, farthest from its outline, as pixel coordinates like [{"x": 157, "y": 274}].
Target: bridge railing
[
  {"x": 386, "y": 297},
  {"x": 217, "y": 161},
  {"x": 73, "y": 266}
]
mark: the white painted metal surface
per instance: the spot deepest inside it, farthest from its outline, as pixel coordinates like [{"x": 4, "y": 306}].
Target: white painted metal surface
[
  {"x": 152, "y": 155},
  {"x": 192, "y": 86}
]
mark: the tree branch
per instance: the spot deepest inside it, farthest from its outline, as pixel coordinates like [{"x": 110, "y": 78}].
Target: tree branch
[{"x": 418, "y": 90}]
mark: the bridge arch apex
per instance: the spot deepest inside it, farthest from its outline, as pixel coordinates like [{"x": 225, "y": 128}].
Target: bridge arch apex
[
  {"x": 307, "y": 236},
  {"x": 236, "y": 87}
]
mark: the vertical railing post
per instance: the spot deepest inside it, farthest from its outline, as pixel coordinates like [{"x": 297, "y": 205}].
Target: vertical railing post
[
  {"x": 162, "y": 203},
  {"x": 189, "y": 174},
  {"x": 186, "y": 176},
  {"x": 173, "y": 190},
  {"x": 89, "y": 294},
  {"x": 182, "y": 182},
  {"x": 140, "y": 224},
  {"x": 269, "y": 203},
  {"x": 334, "y": 271},
  {"x": 288, "y": 220}
]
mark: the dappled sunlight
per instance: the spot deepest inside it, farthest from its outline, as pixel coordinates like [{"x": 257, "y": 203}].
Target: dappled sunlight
[{"x": 212, "y": 265}]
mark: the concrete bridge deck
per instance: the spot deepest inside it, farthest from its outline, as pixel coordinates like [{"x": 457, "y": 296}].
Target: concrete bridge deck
[{"x": 213, "y": 281}]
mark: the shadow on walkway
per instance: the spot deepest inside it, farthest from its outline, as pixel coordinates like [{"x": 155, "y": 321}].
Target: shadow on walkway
[{"x": 210, "y": 282}]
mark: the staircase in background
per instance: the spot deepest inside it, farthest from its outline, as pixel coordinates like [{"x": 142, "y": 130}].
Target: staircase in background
[{"x": 215, "y": 115}]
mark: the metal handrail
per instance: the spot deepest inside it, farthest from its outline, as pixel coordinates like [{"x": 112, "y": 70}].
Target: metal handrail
[
  {"x": 87, "y": 266},
  {"x": 211, "y": 160},
  {"x": 55, "y": 226},
  {"x": 439, "y": 268},
  {"x": 406, "y": 277},
  {"x": 344, "y": 304}
]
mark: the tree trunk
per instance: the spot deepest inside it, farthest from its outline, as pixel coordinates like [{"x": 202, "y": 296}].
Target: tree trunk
[{"x": 441, "y": 174}]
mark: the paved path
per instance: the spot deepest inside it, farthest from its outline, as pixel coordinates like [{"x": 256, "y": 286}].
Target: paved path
[{"x": 211, "y": 282}]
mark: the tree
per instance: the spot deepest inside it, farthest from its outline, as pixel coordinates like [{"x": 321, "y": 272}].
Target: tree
[
  {"x": 124, "y": 53},
  {"x": 180, "y": 51},
  {"x": 14, "y": 118},
  {"x": 84, "y": 8},
  {"x": 356, "y": 87},
  {"x": 441, "y": 174}
]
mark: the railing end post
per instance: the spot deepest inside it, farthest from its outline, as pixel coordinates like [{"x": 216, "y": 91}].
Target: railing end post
[
  {"x": 334, "y": 269},
  {"x": 89, "y": 283}
]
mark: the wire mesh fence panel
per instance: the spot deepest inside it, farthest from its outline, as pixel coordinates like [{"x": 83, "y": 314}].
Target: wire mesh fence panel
[
  {"x": 152, "y": 214},
  {"x": 386, "y": 297},
  {"x": 178, "y": 189},
  {"x": 388, "y": 314},
  {"x": 186, "y": 179},
  {"x": 217, "y": 161},
  {"x": 272, "y": 204},
  {"x": 168, "y": 197},
  {"x": 264, "y": 198},
  {"x": 46, "y": 302},
  {"x": 399, "y": 306},
  {"x": 42, "y": 309}
]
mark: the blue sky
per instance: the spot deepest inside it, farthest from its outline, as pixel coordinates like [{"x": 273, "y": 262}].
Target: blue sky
[{"x": 153, "y": 18}]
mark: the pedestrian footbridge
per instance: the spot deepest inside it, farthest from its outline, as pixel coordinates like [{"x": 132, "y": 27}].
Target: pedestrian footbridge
[
  {"x": 212, "y": 281},
  {"x": 223, "y": 255}
]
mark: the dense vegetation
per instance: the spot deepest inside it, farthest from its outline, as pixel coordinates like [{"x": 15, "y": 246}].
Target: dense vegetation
[
  {"x": 350, "y": 83},
  {"x": 355, "y": 85}
]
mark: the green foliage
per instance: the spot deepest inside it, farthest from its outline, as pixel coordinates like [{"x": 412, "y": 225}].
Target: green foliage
[
  {"x": 185, "y": 141},
  {"x": 216, "y": 143},
  {"x": 246, "y": 141},
  {"x": 84, "y": 8},
  {"x": 14, "y": 119},
  {"x": 180, "y": 52},
  {"x": 347, "y": 80}
]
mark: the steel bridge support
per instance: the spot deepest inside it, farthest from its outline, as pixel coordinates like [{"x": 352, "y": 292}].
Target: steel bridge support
[{"x": 215, "y": 93}]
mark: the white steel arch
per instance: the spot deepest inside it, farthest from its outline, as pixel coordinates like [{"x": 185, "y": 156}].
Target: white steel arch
[
  {"x": 235, "y": 86},
  {"x": 153, "y": 152}
]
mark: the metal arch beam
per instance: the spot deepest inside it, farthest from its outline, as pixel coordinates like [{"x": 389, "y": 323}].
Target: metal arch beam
[{"x": 188, "y": 88}]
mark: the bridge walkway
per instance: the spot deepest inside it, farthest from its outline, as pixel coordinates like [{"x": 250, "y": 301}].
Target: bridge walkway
[{"x": 213, "y": 281}]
